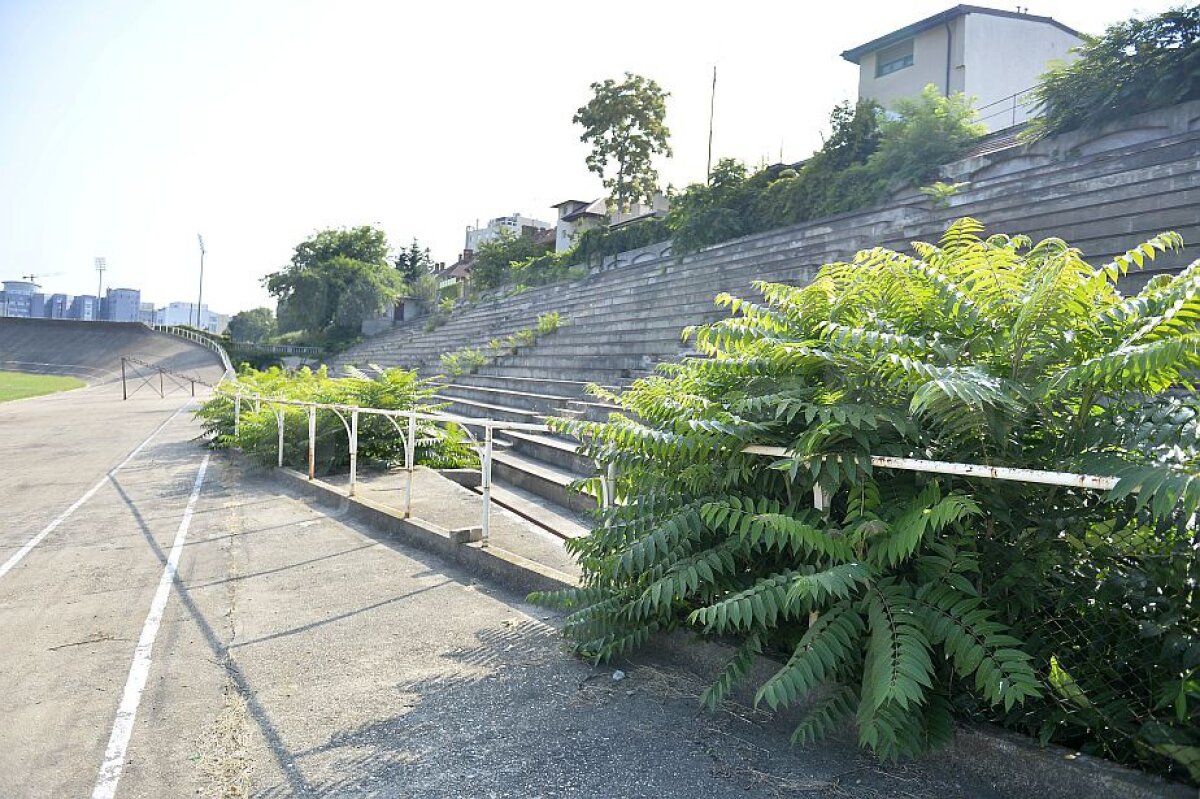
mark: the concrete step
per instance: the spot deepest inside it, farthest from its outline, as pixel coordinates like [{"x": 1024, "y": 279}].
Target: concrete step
[
  {"x": 548, "y": 404},
  {"x": 556, "y": 519},
  {"x": 541, "y": 479},
  {"x": 548, "y": 385},
  {"x": 551, "y": 449},
  {"x": 485, "y": 410}
]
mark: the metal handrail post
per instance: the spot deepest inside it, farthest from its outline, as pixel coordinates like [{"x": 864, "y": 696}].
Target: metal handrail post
[
  {"x": 124, "y": 387},
  {"x": 279, "y": 423},
  {"x": 353, "y": 449},
  {"x": 410, "y": 461},
  {"x": 237, "y": 413},
  {"x": 312, "y": 441},
  {"x": 486, "y": 469}
]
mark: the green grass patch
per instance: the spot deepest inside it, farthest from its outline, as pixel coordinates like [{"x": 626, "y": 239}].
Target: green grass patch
[{"x": 19, "y": 385}]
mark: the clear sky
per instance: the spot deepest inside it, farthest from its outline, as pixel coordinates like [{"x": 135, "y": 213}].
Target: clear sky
[{"x": 127, "y": 126}]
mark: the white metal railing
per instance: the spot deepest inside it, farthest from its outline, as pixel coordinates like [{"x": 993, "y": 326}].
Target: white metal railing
[
  {"x": 205, "y": 341},
  {"x": 1039, "y": 476},
  {"x": 489, "y": 427},
  {"x": 608, "y": 482},
  {"x": 970, "y": 470},
  {"x": 277, "y": 349}
]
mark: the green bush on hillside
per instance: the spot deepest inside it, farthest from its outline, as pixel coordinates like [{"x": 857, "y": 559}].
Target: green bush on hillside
[
  {"x": 866, "y": 156},
  {"x": 1067, "y": 613},
  {"x": 1136, "y": 66}
]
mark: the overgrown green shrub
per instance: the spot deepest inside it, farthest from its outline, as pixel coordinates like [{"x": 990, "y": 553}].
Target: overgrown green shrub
[
  {"x": 593, "y": 246},
  {"x": 926, "y": 131},
  {"x": 1060, "y": 611},
  {"x": 379, "y": 443},
  {"x": 548, "y": 323},
  {"x": 493, "y": 264},
  {"x": 1136, "y": 66},
  {"x": 462, "y": 361}
]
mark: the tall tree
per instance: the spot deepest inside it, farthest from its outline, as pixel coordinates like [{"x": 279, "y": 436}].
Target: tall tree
[
  {"x": 254, "y": 326},
  {"x": 625, "y": 123},
  {"x": 415, "y": 262},
  {"x": 335, "y": 280}
]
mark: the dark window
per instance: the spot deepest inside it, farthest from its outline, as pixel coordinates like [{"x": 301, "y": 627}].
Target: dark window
[{"x": 894, "y": 58}]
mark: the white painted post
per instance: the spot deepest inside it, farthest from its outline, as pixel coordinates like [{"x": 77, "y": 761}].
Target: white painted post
[
  {"x": 610, "y": 485},
  {"x": 353, "y": 449},
  {"x": 237, "y": 414},
  {"x": 279, "y": 423},
  {"x": 821, "y": 503},
  {"x": 410, "y": 458},
  {"x": 312, "y": 441},
  {"x": 487, "y": 484}
]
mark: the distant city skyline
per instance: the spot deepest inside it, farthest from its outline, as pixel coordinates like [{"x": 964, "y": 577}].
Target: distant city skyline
[{"x": 129, "y": 126}]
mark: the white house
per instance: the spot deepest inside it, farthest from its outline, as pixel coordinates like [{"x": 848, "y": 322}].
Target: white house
[
  {"x": 992, "y": 55},
  {"x": 576, "y": 216},
  {"x": 516, "y": 224}
]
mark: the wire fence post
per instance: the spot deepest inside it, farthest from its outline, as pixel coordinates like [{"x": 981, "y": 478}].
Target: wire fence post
[
  {"x": 410, "y": 461},
  {"x": 353, "y": 449},
  {"x": 487, "y": 485},
  {"x": 279, "y": 423},
  {"x": 312, "y": 441},
  {"x": 124, "y": 388},
  {"x": 237, "y": 413},
  {"x": 162, "y": 392}
]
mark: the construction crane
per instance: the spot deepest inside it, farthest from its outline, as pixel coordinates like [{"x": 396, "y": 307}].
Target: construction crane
[{"x": 33, "y": 278}]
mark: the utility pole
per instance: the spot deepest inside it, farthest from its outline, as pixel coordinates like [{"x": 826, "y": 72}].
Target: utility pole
[
  {"x": 100, "y": 267},
  {"x": 712, "y": 107},
  {"x": 200, "y": 298}
]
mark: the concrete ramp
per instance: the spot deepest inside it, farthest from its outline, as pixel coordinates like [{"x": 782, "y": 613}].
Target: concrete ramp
[{"x": 93, "y": 350}]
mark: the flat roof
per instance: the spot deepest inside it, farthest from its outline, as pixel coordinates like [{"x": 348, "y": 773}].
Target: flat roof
[{"x": 854, "y": 55}]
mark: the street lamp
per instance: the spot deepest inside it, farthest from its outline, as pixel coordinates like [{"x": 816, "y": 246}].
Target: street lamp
[
  {"x": 100, "y": 266},
  {"x": 200, "y": 298}
]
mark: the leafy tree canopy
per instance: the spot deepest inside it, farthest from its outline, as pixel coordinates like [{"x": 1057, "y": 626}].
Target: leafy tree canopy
[
  {"x": 335, "y": 280},
  {"x": 254, "y": 326},
  {"x": 625, "y": 124},
  {"x": 1136, "y": 66}
]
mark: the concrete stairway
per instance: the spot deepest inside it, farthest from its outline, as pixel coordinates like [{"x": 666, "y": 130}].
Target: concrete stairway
[{"x": 619, "y": 323}]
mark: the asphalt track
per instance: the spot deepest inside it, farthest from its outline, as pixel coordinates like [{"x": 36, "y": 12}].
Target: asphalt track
[{"x": 177, "y": 626}]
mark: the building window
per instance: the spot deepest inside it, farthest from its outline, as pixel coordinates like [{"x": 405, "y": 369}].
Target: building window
[{"x": 894, "y": 58}]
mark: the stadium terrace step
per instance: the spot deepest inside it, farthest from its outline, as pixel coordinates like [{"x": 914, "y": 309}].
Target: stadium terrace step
[
  {"x": 620, "y": 322},
  {"x": 541, "y": 479},
  {"x": 534, "y": 508},
  {"x": 553, "y": 450}
]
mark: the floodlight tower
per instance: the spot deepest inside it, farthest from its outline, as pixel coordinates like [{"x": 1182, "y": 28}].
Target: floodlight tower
[
  {"x": 100, "y": 267},
  {"x": 200, "y": 298}
]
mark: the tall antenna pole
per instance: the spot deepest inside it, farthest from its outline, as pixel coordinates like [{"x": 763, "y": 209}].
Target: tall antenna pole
[
  {"x": 712, "y": 106},
  {"x": 200, "y": 297},
  {"x": 100, "y": 267}
]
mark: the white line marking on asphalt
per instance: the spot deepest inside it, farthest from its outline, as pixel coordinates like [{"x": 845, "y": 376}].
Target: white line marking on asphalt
[
  {"x": 118, "y": 742},
  {"x": 62, "y": 517}
]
